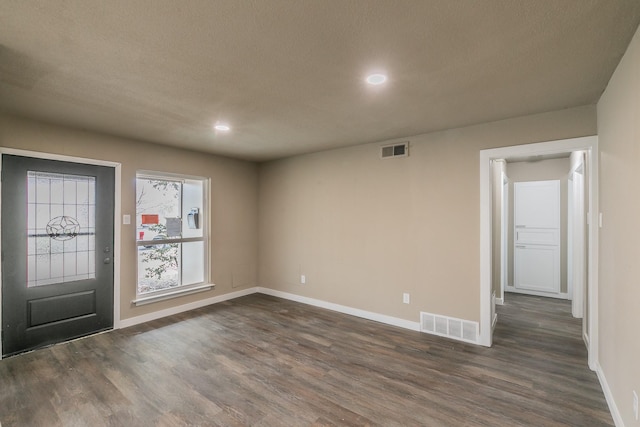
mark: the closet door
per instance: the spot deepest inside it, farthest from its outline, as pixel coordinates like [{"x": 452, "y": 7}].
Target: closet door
[{"x": 537, "y": 236}]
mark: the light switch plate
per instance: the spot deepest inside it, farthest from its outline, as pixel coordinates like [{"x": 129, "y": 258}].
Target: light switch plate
[{"x": 126, "y": 219}]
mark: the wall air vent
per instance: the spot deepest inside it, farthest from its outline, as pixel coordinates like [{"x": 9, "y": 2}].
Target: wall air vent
[
  {"x": 395, "y": 150},
  {"x": 450, "y": 327}
]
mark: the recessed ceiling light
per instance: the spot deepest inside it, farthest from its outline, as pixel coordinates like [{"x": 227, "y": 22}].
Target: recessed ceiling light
[
  {"x": 222, "y": 127},
  {"x": 376, "y": 79}
]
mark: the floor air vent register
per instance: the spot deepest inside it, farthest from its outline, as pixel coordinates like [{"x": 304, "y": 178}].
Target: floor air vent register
[{"x": 450, "y": 327}]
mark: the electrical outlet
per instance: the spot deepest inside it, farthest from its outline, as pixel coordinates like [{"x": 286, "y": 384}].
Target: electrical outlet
[
  {"x": 635, "y": 405},
  {"x": 406, "y": 298},
  {"x": 303, "y": 279}
]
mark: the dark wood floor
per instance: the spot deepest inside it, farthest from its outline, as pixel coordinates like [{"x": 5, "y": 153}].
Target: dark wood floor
[{"x": 263, "y": 361}]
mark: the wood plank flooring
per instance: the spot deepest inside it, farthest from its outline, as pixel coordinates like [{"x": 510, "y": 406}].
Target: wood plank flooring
[{"x": 263, "y": 361}]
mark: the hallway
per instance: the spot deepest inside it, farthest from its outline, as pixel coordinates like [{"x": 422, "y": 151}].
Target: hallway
[{"x": 540, "y": 344}]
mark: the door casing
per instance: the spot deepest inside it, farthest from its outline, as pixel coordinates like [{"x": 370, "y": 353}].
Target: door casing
[
  {"x": 589, "y": 144},
  {"x": 577, "y": 240},
  {"x": 504, "y": 238},
  {"x": 116, "y": 220}
]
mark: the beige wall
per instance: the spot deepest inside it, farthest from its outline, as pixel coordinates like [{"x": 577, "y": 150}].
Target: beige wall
[
  {"x": 364, "y": 230},
  {"x": 619, "y": 267},
  {"x": 552, "y": 169},
  {"x": 233, "y": 198}
]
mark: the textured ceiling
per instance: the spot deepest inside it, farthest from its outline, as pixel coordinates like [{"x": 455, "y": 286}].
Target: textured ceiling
[{"x": 288, "y": 75}]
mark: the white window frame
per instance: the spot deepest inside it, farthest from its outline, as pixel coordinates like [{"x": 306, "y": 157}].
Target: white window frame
[{"x": 150, "y": 297}]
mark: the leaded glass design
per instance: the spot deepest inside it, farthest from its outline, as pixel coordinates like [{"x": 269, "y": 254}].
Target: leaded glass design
[{"x": 61, "y": 212}]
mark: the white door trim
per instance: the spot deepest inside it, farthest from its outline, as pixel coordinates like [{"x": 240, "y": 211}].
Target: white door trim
[
  {"x": 504, "y": 237},
  {"x": 116, "y": 217},
  {"x": 570, "y": 237},
  {"x": 588, "y": 144},
  {"x": 577, "y": 243}
]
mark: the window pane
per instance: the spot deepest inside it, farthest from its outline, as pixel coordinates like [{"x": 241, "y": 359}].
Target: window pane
[
  {"x": 192, "y": 205},
  {"x": 158, "y": 267},
  {"x": 192, "y": 263},
  {"x": 156, "y": 201}
]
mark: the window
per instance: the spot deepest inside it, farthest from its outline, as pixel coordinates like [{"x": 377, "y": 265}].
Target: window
[{"x": 171, "y": 234}]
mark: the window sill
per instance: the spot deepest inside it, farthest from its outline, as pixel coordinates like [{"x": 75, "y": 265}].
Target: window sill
[{"x": 143, "y": 300}]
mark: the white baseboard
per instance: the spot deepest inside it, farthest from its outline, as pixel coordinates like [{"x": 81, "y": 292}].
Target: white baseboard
[
  {"x": 499, "y": 301},
  {"x": 613, "y": 408},
  {"x": 125, "y": 323},
  {"x": 382, "y": 318},
  {"x": 561, "y": 295}
]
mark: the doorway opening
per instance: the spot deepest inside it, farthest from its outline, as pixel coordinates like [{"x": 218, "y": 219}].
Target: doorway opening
[{"x": 588, "y": 145}]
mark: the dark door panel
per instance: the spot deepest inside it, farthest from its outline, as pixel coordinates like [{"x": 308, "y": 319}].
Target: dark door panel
[{"x": 57, "y": 251}]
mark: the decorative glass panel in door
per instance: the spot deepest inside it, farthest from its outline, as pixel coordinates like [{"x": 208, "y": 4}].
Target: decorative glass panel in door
[{"x": 60, "y": 228}]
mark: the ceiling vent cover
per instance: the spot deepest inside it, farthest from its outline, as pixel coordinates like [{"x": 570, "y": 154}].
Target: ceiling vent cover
[{"x": 395, "y": 150}]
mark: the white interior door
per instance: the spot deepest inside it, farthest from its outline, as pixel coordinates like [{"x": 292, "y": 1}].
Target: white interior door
[{"x": 537, "y": 237}]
